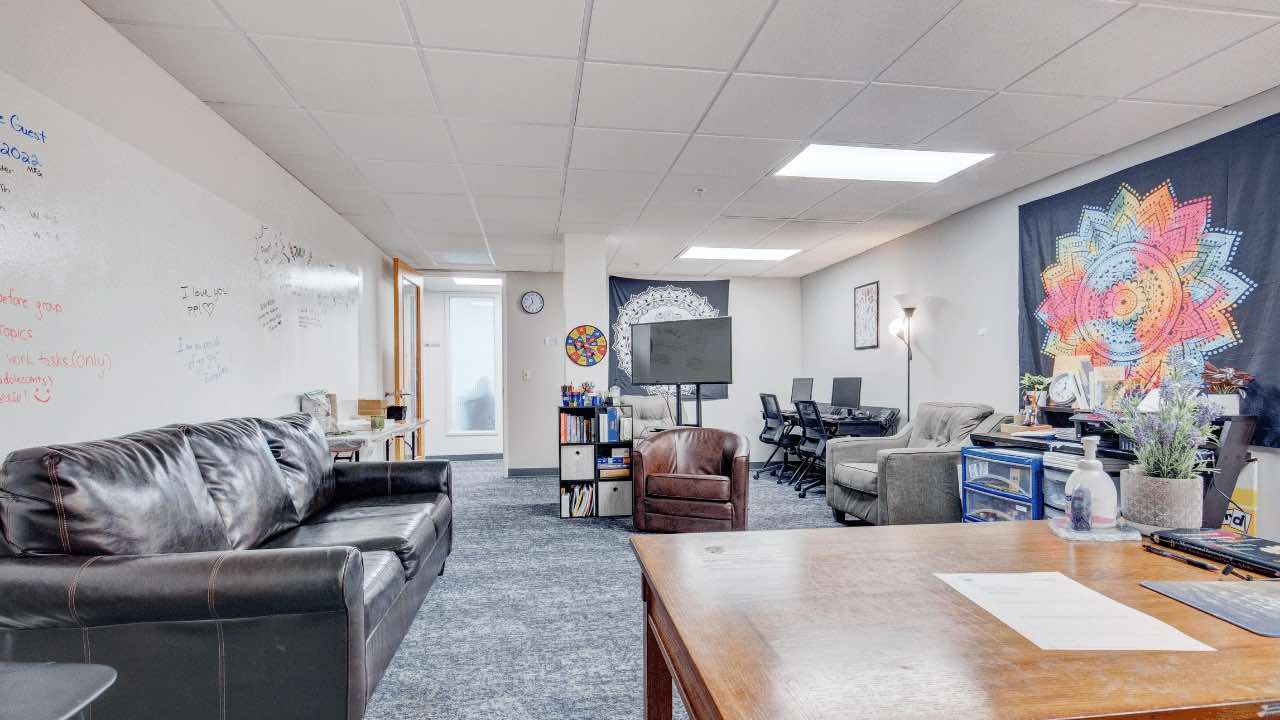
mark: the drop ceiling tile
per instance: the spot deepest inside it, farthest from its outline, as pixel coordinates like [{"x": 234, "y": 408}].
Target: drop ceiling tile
[
  {"x": 439, "y": 214},
  {"x": 691, "y": 268},
  {"x": 675, "y": 221},
  {"x": 1268, "y": 6},
  {"x": 372, "y": 20},
  {"x": 502, "y": 87},
  {"x": 898, "y": 114},
  {"x": 349, "y": 77},
  {"x": 592, "y": 228},
  {"x": 518, "y": 243},
  {"x": 1008, "y": 121},
  {"x": 862, "y": 199},
  {"x": 599, "y": 149},
  {"x": 645, "y": 98},
  {"x": 987, "y": 44},
  {"x": 382, "y": 230},
  {"x": 990, "y": 178},
  {"x": 743, "y": 268},
  {"x": 334, "y": 180},
  {"x": 389, "y": 137},
  {"x": 706, "y": 33},
  {"x": 462, "y": 259},
  {"x": 734, "y": 157},
  {"x": 215, "y": 65},
  {"x": 600, "y": 213},
  {"x": 846, "y": 40},
  {"x": 1229, "y": 76},
  {"x": 776, "y": 107},
  {"x": 709, "y": 190},
  {"x": 1120, "y": 124},
  {"x": 193, "y": 13},
  {"x": 276, "y": 130},
  {"x": 735, "y": 232},
  {"x": 802, "y": 234},
  {"x": 404, "y": 176},
  {"x": 518, "y": 214},
  {"x": 610, "y": 186},
  {"x": 783, "y": 197},
  {"x": 468, "y": 242},
  {"x": 512, "y": 262},
  {"x": 1170, "y": 38},
  {"x": 509, "y": 143},
  {"x": 514, "y": 180},
  {"x": 547, "y": 27}
]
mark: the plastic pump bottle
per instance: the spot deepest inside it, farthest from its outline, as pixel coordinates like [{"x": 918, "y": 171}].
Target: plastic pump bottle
[{"x": 1102, "y": 489}]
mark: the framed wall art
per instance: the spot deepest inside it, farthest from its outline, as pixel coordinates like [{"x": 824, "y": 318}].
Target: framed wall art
[{"x": 866, "y": 316}]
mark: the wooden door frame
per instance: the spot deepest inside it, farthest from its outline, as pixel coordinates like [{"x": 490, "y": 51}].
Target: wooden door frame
[{"x": 402, "y": 270}]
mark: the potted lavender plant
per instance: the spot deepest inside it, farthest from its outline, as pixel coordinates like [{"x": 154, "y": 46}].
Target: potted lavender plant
[{"x": 1164, "y": 488}]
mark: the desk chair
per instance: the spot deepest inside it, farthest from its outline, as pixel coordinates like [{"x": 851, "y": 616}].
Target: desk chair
[
  {"x": 812, "y": 448},
  {"x": 777, "y": 433}
]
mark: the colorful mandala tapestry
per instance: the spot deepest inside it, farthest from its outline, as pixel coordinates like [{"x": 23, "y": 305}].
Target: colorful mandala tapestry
[{"x": 1141, "y": 277}]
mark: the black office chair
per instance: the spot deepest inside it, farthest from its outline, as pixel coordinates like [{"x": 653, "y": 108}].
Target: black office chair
[
  {"x": 776, "y": 432},
  {"x": 812, "y": 448}
]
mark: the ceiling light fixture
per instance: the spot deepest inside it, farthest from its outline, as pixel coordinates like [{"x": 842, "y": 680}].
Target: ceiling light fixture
[
  {"x": 844, "y": 162},
  {"x": 732, "y": 253},
  {"x": 476, "y": 281}
]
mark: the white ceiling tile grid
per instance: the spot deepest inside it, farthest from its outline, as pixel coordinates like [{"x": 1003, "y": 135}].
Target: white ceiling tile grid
[{"x": 472, "y": 134}]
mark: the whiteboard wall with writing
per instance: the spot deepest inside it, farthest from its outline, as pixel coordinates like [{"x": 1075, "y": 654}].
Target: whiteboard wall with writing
[{"x": 131, "y": 297}]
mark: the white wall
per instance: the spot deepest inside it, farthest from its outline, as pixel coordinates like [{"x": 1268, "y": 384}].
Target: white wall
[
  {"x": 534, "y": 371},
  {"x": 172, "y": 153},
  {"x": 964, "y": 270}
]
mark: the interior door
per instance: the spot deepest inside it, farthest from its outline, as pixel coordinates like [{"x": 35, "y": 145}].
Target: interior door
[{"x": 407, "y": 306}]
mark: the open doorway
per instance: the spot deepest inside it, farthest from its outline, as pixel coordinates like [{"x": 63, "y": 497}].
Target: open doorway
[{"x": 462, "y": 358}]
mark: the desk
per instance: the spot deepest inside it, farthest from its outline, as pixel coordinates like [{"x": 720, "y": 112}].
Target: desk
[
  {"x": 850, "y": 426},
  {"x": 351, "y": 442},
  {"x": 851, "y": 623},
  {"x": 999, "y": 439}
]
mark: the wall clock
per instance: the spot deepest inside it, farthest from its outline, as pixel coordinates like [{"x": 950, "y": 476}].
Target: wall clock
[{"x": 532, "y": 302}]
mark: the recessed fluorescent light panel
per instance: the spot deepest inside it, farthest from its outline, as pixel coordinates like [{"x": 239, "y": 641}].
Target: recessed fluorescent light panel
[
  {"x": 842, "y": 162},
  {"x": 731, "y": 253},
  {"x": 476, "y": 281}
]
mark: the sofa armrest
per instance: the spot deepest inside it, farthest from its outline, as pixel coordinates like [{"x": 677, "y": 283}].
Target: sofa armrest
[
  {"x": 379, "y": 479},
  {"x": 918, "y": 485},
  {"x": 864, "y": 449},
  {"x": 76, "y": 591}
]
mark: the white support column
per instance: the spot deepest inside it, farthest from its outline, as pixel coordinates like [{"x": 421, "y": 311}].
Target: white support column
[{"x": 586, "y": 299}]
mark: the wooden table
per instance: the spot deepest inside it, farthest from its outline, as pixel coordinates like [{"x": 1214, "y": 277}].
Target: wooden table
[{"x": 851, "y": 623}]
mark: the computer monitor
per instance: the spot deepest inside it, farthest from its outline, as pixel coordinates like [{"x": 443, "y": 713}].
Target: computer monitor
[
  {"x": 801, "y": 389},
  {"x": 846, "y": 392}
]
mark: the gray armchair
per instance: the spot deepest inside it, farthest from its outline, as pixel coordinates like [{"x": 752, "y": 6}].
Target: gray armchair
[
  {"x": 909, "y": 477},
  {"x": 651, "y": 413}
]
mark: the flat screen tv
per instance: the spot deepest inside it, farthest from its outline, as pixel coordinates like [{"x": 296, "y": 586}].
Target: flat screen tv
[{"x": 682, "y": 352}]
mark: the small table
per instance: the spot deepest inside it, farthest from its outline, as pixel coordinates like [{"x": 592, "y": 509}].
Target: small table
[
  {"x": 351, "y": 442},
  {"x": 50, "y": 691},
  {"x": 851, "y": 623}
]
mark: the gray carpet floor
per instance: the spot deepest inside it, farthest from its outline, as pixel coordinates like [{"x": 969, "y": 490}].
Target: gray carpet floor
[{"x": 538, "y": 617}]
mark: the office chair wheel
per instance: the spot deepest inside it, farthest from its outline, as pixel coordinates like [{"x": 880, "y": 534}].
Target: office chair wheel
[{"x": 802, "y": 493}]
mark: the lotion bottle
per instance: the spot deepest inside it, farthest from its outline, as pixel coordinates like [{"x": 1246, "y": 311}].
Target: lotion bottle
[{"x": 1102, "y": 489}]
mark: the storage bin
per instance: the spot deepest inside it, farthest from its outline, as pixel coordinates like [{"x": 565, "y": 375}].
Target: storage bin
[
  {"x": 1007, "y": 476},
  {"x": 980, "y": 506},
  {"x": 1055, "y": 487},
  {"x": 614, "y": 499},
  {"x": 577, "y": 462}
]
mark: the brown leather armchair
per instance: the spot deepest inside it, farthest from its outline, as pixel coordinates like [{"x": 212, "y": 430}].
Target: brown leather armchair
[{"x": 690, "y": 480}]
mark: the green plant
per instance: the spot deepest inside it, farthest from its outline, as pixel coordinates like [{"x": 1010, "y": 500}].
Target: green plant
[
  {"x": 1033, "y": 383},
  {"x": 1225, "y": 381},
  {"x": 1167, "y": 441}
]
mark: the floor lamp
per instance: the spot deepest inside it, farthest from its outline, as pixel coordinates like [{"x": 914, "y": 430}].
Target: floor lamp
[{"x": 901, "y": 328}]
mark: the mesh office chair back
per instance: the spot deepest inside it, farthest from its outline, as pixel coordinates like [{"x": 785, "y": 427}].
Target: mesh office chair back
[
  {"x": 774, "y": 424},
  {"x": 814, "y": 442}
]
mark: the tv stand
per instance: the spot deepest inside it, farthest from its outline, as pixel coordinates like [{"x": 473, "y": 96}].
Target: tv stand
[{"x": 697, "y": 394}]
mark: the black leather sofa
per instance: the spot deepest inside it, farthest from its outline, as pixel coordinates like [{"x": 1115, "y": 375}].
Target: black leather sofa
[{"x": 228, "y": 570}]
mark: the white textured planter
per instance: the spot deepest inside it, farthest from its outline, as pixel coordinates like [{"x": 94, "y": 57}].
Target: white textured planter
[
  {"x": 1161, "y": 502},
  {"x": 1226, "y": 404}
]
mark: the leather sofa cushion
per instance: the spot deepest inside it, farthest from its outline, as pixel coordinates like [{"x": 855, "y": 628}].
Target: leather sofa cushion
[
  {"x": 299, "y": 446},
  {"x": 243, "y": 479},
  {"x": 693, "y": 487},
  {"x": 383, "y": 581},
  {"x": 132, "y": 495},
  {"x": 689, "y": 508},
  {"x": 411, "y": 536},
  {"x": 436, "y": 505},
  {"x": 857, "y": 476}
]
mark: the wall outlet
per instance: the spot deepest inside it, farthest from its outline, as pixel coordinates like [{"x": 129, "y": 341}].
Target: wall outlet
[
  {"x": 982, "y": 331},
  {"x": 525, "y": 374}
]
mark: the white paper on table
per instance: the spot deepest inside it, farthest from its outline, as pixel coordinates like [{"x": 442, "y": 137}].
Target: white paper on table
[{"x": 1057, "y": 613}]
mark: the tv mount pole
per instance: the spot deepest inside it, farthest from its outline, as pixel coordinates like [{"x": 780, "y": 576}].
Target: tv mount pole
[{"x": 697, "y": 394}]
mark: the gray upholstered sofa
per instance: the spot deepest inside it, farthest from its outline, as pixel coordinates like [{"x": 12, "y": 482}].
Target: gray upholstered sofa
[
  {"x": 651, "y": 413},
  {"x": 909, "y": 477}
]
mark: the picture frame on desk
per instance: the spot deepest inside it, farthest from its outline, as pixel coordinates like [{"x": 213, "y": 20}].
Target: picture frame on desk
[{"x": 866, "y": 316}]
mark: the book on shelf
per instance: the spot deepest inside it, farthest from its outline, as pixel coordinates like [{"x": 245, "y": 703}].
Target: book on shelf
[
  {"x": 576, "y": 429},
  {"x": 581, "y": 501},
  {"x": 614, "y": 473}
]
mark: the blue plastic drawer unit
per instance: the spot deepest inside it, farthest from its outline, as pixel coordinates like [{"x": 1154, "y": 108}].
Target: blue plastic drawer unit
[{"x": 1000, "y": 485}]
